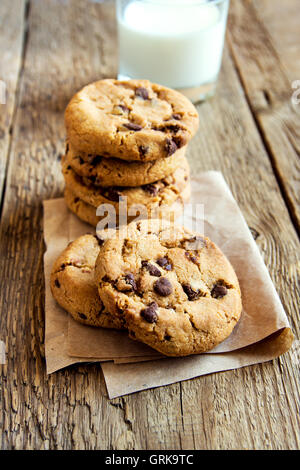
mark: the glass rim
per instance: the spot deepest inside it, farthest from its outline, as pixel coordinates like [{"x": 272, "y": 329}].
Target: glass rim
[{"x": 183, "y": 3}]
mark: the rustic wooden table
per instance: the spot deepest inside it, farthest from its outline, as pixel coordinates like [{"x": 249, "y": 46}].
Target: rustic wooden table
[{"x": 250, "y": 132}]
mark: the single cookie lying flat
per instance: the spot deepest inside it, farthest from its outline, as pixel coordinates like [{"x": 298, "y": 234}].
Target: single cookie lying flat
[
  {"x": 73, "y": 286},
  {"x": 151, "y": 196},
  {"x": 105, "y": 172},
  {"x": 175, "y": 289},
  {"x": 130, "y": 120}
]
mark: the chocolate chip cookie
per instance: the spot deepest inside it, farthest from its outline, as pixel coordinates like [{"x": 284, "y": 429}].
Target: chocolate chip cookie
[
  {"x": 73, "y": 285},
  {"x": 152, "y": 196},
  {"x": 87, "y": 213},
  {"x": 84, "y": 211},
  {"x": 175, "y": 289},
  {"x": 104, "y": 172},
  {"x": 130, "y": 120}
]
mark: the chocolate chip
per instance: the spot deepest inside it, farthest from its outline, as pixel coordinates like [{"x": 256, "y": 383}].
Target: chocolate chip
[
  {"x": 81, "y": 161},
  {"x": 191, "y": 256},
  {"x": 62, "y": 266},
  {"x": 218, "y": 291},
  {"x": 96, "y": 160},
  {"x": 112, "y": 194},
  {"x": 119, "y": 310},
  {"x": 92, "y": 179},
  {"x": 99, "y": 240},
  {"x": 173, "y": 128},
  {"x": 150, "y": 313},
  {"x": 57, "y": 283},
  {"x": 69, "y": 167},
  {"x": 143, "y": 150},
  {"x": 82, "y": 315},
  {"x": 167, "y": 338},
  {"x": 164, "y": 263},
  {"x": 67, "y": 148},
  {"x": 176, "y": 116},
  {"x": 142, "y": 93},
  {"x": 129, "y": 278},
  {"x": 132, "y": 126},
  {"x": 76, "y": 199},
  {"x": 152, "y": 189},
  {"x": 153, "y": 270},
  {"x": 179, "y": 141},
  {"x": 191, "y": 293},
  {"x": 163, "y": 287},
  {"x": 170, "y": 146},
  {"x": 123, "y": 107}
]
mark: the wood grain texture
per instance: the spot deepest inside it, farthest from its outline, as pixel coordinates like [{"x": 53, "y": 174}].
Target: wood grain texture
[
  {"x": 12, "y": 15},
  {"x": 269, "y": 90},
  {"x": 70, "y": 44},
  {"x": 281, "y": 21}
]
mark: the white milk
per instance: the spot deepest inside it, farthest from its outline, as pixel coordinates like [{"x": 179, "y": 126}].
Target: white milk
[{"x": 171, "y": 44}]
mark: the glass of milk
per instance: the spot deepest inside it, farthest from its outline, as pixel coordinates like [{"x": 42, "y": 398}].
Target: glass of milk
[{"x": 177, "y": 43}]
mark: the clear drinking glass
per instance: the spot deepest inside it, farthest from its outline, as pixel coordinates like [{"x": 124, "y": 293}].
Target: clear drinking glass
[{"x": 177, "y": 43}]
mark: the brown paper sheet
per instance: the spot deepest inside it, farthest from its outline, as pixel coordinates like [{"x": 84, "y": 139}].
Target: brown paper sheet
[
  {"x": 89, "y": 342},
  {"x": 124, "y": 379},
  {"x": 262, "y": 316}
]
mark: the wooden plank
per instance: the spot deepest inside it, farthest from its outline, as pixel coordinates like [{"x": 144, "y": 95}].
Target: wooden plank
[
  {"x": 253, "y": 407},
  {"x": 269, "y": 91},
  {"x": 281, "y": 21},
  {"x": 12, "y": 20}
]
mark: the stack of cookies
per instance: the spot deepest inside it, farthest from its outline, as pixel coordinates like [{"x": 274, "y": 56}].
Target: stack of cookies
[
  {"x": 170, "y": 288},
  {"x": 126, "y": 144}
]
